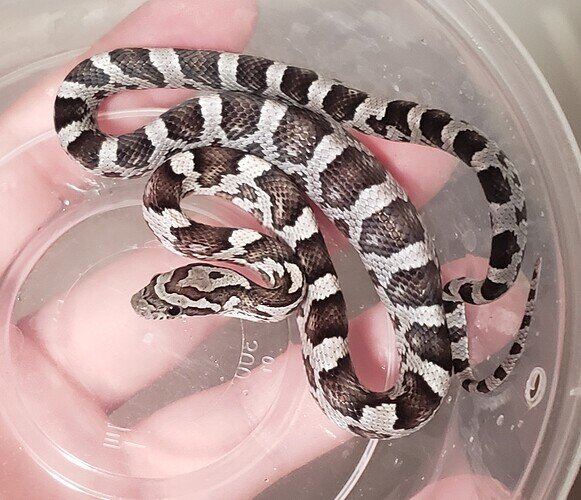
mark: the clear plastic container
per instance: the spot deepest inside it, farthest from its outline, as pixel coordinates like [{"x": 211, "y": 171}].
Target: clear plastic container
[{"x": 106, "y": 438}]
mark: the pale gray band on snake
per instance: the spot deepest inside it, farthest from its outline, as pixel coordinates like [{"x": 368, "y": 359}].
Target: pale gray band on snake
[{"x": 284, "y": 130}]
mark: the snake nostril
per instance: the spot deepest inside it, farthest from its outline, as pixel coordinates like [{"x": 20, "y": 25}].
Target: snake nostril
[{"x": 140, "y": 306}]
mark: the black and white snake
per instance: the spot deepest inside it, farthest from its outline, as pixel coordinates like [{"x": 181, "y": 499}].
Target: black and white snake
[{"x": 271, "y": 133}]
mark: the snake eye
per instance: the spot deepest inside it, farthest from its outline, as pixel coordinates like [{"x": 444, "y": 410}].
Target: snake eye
[{"x": 174, "y": 310}]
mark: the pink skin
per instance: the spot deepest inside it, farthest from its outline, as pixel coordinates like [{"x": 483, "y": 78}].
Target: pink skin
[
  {"x": 468, "y": 486},
  {"x": 102, "y": 354}
]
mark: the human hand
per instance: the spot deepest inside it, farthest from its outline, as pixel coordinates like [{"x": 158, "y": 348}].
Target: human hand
[{"x": 84, "y": 353}]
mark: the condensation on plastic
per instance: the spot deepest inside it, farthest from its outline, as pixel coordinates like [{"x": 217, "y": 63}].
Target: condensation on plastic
[{"x": 453, "y": 54}]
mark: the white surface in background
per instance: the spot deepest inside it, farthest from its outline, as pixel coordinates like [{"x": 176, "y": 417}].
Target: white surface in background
[
  {"x": 551, "y": 31},
  {"x": 79, "y": 22}
]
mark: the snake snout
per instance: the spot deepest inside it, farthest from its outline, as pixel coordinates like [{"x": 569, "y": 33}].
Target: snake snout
[{"x": 141, "y": 306}]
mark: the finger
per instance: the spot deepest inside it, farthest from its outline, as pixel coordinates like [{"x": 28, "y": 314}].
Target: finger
[
  {"x": 32, "y": 190},
  {"x": 422, "y": 171},
  {"x": 490, "y": 326},
  {"x": 227, "y": 25},
  {"x": 373, "y": 348},
  {"x": 34, "y": 183},
  {"x": 97, "y": 339},
  {"x": 180, "y": 437},
  {"x": 464, "y": 486},
  {"x": 252, "y": 430},
  {"x": 46, "y": 409}
]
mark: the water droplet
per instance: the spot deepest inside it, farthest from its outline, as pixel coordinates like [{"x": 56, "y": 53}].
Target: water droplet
[
  {"x": 396, "y": 461},
  {"x": 448, "y": 399},
  {"x": 500, "y": 420},
  {"x": 245, "y": 392},
  {"x": 396, "y": 87},
  {"x": 423, "y": 41},
  {"x": 471, "y": 439},
  {"x": 148, "y": 338},
  {"x": 467, "y": 90},
  {"x": 65, "y": 203},
  {"x": 542, "y": 214},
  {"x": 222, "y": 379},
  {"x": 519, "y": 424}
]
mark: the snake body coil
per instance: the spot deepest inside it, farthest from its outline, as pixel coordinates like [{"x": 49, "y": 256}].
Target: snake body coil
[{"x": 271, "y": 133}]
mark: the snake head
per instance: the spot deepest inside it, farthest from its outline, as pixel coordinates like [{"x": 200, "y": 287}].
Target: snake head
[
  {"x": 192, "y": 290},
  {"x": 149, "y": 304}
]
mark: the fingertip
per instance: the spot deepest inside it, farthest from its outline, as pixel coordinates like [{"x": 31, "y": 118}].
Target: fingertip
[
  {"x": 373, "y": 349},
  {"x": 464, "y": 486},
  {"x": 420, "y": 170},
  {"x": 490, "y": 326},
  {"x": 92, "y": 330}
]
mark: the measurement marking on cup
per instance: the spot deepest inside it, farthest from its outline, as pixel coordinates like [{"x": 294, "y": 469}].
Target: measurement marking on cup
[
  {"x": 247, "y": 360},
  {"x": 266, "y": 362},
  {"x": 114, "y": 438}
]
